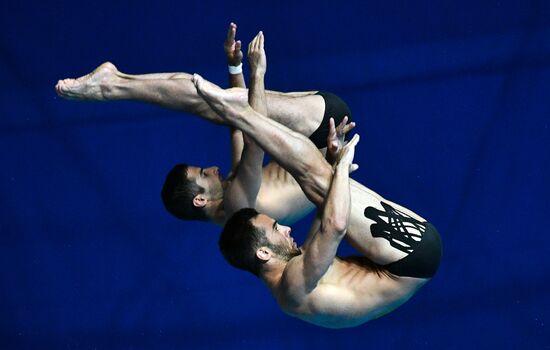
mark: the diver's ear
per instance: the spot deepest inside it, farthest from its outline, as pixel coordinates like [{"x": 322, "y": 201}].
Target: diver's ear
[
  {"x": 199, "y": 201},
  {"x": 263, "y": 253}
]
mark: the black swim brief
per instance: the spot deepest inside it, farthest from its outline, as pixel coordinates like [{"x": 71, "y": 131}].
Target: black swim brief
[
  {"x": 419, "y": 239},
  {"x": 336, "y": 108}
]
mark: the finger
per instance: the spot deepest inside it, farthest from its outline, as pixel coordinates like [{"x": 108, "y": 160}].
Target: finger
[
  {"x": 331, "y": 128},
  {"x": 231, "y": 33},
  {"x": 353, "y": 142},
  {"x": 348, "y": 127},
  {"x": 238, "y": 45},
  {"x": 252, "y": 46},
  {"x": 343, "y": 122},
  {"x": 256, "y": 40},
  {"x": 261, "y": 44},
  {"x": 353, "y": 167}
]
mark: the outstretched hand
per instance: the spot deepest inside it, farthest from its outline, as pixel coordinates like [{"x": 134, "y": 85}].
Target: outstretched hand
[
  {"x": 256, "y": 55},
  {"x": 337, "y": 135},
  {"x": 345, "y": 157},
  {"x": 231, "y": 47}
]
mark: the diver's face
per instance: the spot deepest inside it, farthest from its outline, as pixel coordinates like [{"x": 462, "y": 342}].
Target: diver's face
[
  {"x": 281, "y": 242},
  {"x": 209, "y": 179}
]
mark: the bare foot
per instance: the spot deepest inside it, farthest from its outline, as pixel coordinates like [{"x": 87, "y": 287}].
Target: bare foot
[
  {"x": 227, "y": 103},
  {"x": 92, "y": 86}
]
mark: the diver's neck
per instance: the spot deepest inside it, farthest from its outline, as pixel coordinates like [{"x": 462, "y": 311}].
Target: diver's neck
[
  {"x": 216, "y": 213},
  {"x": 272, "y": 276}
]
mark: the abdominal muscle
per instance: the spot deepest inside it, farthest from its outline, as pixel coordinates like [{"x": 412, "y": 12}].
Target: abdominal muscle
[
  {"x": 350, "y": 294},
  {"x": 281, "y": 197}
]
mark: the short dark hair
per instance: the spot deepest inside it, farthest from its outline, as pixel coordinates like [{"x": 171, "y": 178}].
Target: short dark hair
[
  {"x": 240, "y": 239},
  {"x": 178, "y": 193}
]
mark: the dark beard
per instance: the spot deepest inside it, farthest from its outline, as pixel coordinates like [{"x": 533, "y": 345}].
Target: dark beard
[{"x": 285, "y": 253}]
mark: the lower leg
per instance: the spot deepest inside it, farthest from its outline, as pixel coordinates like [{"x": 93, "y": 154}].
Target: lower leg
[
  {"x": 168, "y": 90},
  {"x": 301, "y": 112},
  {"x": 293, "y": 151}
]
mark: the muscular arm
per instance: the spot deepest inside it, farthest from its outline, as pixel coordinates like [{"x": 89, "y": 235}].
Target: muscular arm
[
  {"x": 321, "y": 246},
  {"x": 243, "y": 190},
  {"x": 237, "y": 145},
  {"x": 293, "y": 151},
  {"x": 232, "y": 49}
]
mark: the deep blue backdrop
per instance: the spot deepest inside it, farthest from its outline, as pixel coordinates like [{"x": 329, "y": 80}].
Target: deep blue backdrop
[{"x": 452, "y": 101}]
